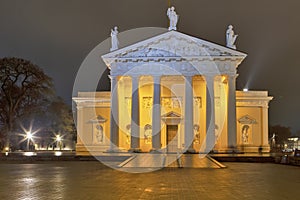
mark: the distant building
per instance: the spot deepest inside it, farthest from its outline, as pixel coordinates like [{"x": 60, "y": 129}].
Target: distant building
[{"x": 292, "y": 143}]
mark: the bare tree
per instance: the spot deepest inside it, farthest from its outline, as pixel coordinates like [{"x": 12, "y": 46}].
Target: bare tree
[
  {"x": 23, "y": 88},
  {"x": 58, "y": 120}
]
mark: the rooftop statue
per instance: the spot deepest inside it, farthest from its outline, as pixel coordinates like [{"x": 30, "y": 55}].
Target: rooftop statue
[
  {"x": 114, "y": 39},
  {"x": 230, "y": 37},
  {"x": 173, "y": 17}
]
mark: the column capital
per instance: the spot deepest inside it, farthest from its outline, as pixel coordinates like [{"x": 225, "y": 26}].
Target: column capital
[
  {"x": 210, "y": 76},
  {"x": 209, "y": 79},
  {"x": 112, "y": 77},
  {"x": 188, "y": 75},
  {"x": 135, "y": 83},
  {"x": 232, "y": 76},
  {"x": 135, "y": 76},
  {"x": 156, "y": 78},
  {"x": 218, "y": 78},
  {"x": 188, "y": 79},
  {"x": 79, "y": 107}
]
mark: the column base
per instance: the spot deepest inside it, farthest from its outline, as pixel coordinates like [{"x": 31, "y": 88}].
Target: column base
[
  {"x": 135, "y": 150},
  {"x": 190, "y": 151},
  {"x": 232, "y": 150},
  {"x": 155, "y": 151},
  {"x": 113, "y": 151},
  {"x": 253, "y": 149}
]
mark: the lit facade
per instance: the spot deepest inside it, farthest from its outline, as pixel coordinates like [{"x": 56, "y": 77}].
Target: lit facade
[{"x": 172, "y": 93}]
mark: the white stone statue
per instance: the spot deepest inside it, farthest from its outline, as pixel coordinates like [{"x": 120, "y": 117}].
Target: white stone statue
[
  {"x": 114, "y": 39},
  {"x": 230, "y": 37},
  {"x": 173, "y": 17},
  {"x": 99, "y": 134},
  {"x": 245, "y": 134}
]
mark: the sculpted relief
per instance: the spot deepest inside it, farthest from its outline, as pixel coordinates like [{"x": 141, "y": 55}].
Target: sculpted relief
[{"x": 172, "y": 47}]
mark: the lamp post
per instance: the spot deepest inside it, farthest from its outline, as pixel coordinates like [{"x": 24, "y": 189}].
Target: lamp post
[
  {"x": 58, "y": 141},
  {"x": 273, "y": 141},
  {"x": 29, "y": 137}
]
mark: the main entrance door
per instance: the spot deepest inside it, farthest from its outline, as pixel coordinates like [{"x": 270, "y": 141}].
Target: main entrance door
[{"x": 172, "y": 138}]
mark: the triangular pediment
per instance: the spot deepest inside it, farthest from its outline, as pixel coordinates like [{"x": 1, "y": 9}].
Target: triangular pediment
[
  {"x": 171, "y": 114},
  {"x": 98, "y": 119},
  {"x": 246, "y": 119},
  {"x": 172, "y": 44}
]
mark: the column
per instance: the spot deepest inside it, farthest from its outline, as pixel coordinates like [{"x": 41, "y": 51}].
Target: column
[
  {"x": 210, "y": 113},
  {"x": 156, "y": 115},
  {"x": 265, "y": 130},
  {"x": 80, "y": 137},
  {"x": 114, "y": 115},
  {"x": 189, "y": 115},
  {"x": 231, "y": 119},
  {"x": 79, "y": 124},
  {"x": 135, "y": 116}
]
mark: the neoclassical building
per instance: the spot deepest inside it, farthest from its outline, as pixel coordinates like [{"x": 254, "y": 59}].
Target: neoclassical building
[{"x": 172, "y": 93}]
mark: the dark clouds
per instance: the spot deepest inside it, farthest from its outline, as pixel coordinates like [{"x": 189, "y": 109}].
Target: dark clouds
[{"x": 57, "y": 35}]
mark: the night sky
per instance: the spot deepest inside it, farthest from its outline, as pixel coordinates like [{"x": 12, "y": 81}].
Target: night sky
[{"x": 57, "y": 35}]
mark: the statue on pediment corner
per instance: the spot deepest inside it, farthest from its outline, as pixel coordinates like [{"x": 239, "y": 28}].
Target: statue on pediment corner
[
  {"x": 230, "y": 37},
  {"x": 114, "y": 39}
]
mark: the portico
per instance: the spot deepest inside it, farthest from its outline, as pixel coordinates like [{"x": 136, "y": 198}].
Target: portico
[{"x": 158, "y": 64}]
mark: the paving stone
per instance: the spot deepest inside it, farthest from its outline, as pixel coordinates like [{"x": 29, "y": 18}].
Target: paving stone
[{"x": 92, "y": 180}]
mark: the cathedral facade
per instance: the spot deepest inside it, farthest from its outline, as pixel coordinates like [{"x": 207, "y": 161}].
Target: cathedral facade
[{"x": 172, "y": 93}]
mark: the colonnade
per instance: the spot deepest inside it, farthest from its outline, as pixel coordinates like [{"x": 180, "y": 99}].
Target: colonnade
[{"x": 188, "y": 114}]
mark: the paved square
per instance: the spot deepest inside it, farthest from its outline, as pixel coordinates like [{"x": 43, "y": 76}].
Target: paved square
[{"x": 92, "y": 180}]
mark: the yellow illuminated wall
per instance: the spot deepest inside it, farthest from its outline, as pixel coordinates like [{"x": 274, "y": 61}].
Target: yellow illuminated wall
[
  {"x": 172, "y": 99},
  {"x": 255, "y": 136}
]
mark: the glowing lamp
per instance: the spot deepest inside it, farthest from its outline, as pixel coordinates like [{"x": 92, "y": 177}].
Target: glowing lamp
[
  {"x": 29, "y": 154},
  {"x": 58, "y": 153},
  {"x": 29, "y": 135},
  {"x": 58, "y": 138}
]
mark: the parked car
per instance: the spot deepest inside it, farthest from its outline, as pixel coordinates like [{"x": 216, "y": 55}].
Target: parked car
[{"x": 287, "y": 150}]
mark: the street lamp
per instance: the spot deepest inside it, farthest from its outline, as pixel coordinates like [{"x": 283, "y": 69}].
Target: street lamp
[
  {"x": 58, "y": 138},
  {"x": 29, "y": 137},
  {"x": 58, "y": 141},
  {"x": 6, "y": 151}
]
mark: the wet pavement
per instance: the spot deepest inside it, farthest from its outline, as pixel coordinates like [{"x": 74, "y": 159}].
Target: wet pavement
[
  {"x": 149, "y": 160},
  {"x": 91, "y": 180}
]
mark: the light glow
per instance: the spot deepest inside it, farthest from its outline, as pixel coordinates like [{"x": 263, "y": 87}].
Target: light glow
[
  {"x": 245, "y": 90},
  {"x": 29, "y": 135},
  {"x": 58, "y": 138},
  {"x": 29, "y": 154},
  {"x": 58, "y": 153}
]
